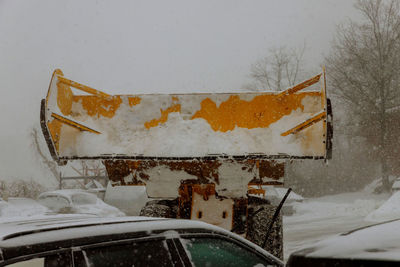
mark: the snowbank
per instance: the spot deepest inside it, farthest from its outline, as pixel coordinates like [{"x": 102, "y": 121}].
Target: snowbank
[
  {"x": 346, "y": 204},
  {"x": 129, "y": 199},
  {"x": 388, "y": 211},
  {"x": 179, "y": 137},
  {"x": 20, "y": 207},
  {"x": 319, "y": 218}
]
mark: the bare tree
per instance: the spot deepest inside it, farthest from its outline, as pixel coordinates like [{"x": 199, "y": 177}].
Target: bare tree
[
  {"x": 364, "y": 70},
  {"x": 279, "y": 70},
  {"x": 48, "y": 162}
]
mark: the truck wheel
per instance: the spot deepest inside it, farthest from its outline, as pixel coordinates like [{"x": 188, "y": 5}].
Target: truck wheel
[
  {"x": 259, "y": 220},
  {"x": 159, "y": 209}
]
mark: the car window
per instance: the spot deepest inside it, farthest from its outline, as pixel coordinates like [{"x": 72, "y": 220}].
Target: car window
[
  {"x": 54, "y": 202},
  {"x": 146, "y": 253},
  {"x": 60, "y": 259},
  {"x": 204, "y": 251},
  {"x": 83, "y": 199}
]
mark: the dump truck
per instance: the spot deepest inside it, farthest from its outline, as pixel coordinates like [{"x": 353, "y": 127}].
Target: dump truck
[{"x": 201, "y": 156}]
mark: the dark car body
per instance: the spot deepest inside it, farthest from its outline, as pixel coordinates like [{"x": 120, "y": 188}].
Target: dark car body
[{"x": 124, "y": 241}]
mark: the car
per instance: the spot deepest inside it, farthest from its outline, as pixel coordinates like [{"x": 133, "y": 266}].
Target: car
[
  {"x": 373, "y": 245},
  {"x": 396, "y": 185},
  {"x": 79, "y": 240},
  {"x": 77, "y": 201}
]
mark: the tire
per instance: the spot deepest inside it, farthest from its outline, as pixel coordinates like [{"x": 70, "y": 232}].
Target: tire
[
  {"x": 160, "y": 209},
  {"x": 258, "y": 222}
]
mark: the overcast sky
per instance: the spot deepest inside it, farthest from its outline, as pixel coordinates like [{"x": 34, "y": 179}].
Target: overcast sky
[{"x": 126, "y": 46}]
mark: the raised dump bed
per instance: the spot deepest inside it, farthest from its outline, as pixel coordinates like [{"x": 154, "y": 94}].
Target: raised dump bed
[{"x": 197, "y": 152}]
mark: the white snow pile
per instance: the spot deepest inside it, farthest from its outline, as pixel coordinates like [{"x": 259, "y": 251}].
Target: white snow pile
[
  {"x": 346, "y": 204},
  {"x": 276, "y": 194},
  {"x": 125, "y": 133},
  {"x": 128, "y": 199},
  {"x": 319, "y": 218},
  {"x": 376, "y": 183},
  {"x": 179, "y": 137},
  {"x": 388, "y": 211},
  {"x": 20, "y": 207},
  {"x": 279, "y": 192}
]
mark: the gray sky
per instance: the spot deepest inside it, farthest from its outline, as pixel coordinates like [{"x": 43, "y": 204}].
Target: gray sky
[{"x": 142, "y": 47}]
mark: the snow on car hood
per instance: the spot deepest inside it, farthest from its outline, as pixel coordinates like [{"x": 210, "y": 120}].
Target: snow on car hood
[{"x": 376, "y": 242}]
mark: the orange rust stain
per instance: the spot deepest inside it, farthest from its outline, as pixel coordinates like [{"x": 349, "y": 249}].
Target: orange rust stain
[
  {"x": 55, "y": 130},
  {"x": 260, "y": 112},
  {"x": 96, "y": 106},
  {"x": 164, "y": 116},
  {"x": 205, "y": 190},
  {"x": 134, "y": 100}
]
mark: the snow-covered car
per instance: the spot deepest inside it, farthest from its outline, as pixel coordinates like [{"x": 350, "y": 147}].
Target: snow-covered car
[
  {"x": 374, "y": 245},
  {"x": 396, "y": 185},
  {"x": 21, "y": 207},
  {"x": 72, "y": 240},
  {"x": 77, "y": 201}
]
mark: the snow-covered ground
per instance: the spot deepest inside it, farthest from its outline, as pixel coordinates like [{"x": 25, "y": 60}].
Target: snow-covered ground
[
  {"x": 389, "y": 210},
  {"x": 20, "y": 207},
  {"x": 319, "y": 218},
  {"x": 314, "y": 219}
]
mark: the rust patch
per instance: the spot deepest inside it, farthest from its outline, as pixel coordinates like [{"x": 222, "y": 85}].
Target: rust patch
[
  {"x": 272, "y": 169},
  {"x": 260, "y": 112},
  {"x": 117, "y": 170},
  {"x": 134, "y": 100},
  {"x": 206, "y": 171},
  {"x": 97, "y": 106},
  {"x": 164, "y": 116}
]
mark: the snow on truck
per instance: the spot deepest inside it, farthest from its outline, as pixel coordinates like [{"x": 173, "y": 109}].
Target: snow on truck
[{"x": 201, "y": 156}]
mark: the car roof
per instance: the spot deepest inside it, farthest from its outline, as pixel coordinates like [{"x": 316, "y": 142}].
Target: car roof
[
  {"x": 41, "y": 234},
  {"x": 375, "y": 242},
  {"x": 35, "y": 229},
  {"x": 45, "y": 233}
]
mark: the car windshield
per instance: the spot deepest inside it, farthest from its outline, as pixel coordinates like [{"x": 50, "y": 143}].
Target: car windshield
[
  {"x": 54, "y": 202},
  {"x": 83, "y": 199},
  {"x": 214, "y": 251}
]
